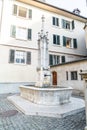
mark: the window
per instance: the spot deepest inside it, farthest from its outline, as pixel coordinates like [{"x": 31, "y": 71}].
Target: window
[
  {"x": 55, "y": 21},
  {"x": 63, "y": 59},
  {"x": 22, "y": 12},
  {"x": 66, "y": 75},
  {"x": 65, "y": 24},
  {"x": 69, "y": 42},
  {"x": 74, "y": 75},
  {"x": 68, "y": 24},
  {"x": 54, "y": 59},
  {"x": 20, "y": 57},
  {"x": 56, "y": 39},
  {"x": 21, "y": 33}
]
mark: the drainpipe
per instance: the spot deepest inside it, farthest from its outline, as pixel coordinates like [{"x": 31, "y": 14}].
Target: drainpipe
[{"x": 1, "y": 16}]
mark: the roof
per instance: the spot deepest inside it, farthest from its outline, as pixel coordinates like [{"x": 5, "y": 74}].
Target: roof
[
  {"x": 70, "y": 62},
  {"x": 54, "y": 9}
]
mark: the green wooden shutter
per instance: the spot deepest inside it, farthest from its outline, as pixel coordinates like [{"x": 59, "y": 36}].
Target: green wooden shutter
[
  {"x": 73, "y": 24},
  {"x": 30, "y": 13},
  {"x": 11, "y": 56},
  {"x": 28, "y": 58},
  {"x": 50, "y": 59},
  {"x": 54, "y": 39},
  {"x": 57, "y": 22},
  {"x": 13, "y": 31},
  {"x": 63, "y": 23},
  {"x": 29, "y": 34},
  {"x": 64, "y": 41},
  {"x": 53, "y": 20},
  {"x": 15, "y": 9},
  {"x": 75, "y": 43},
  {"x": 58, "y": 40},
  {"x": 63, "y": 59}
]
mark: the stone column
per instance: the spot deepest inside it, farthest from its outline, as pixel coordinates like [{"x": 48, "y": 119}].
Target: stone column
[
  {"x": 43, "y": 69},
  {"x": 84, "y": 76}
]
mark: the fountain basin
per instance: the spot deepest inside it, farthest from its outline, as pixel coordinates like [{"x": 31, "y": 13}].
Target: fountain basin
[{"x": 46, "y": 96}]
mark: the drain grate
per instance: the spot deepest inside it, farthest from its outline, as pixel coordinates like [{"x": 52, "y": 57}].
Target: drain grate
[{"x": 8, "y": 113}]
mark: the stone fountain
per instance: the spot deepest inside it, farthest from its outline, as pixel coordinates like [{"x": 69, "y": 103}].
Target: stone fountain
[{"x": 43, "y": 92}]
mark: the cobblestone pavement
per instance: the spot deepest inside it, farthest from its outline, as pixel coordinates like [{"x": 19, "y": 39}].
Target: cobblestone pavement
[{"x": 19, "y": 121}]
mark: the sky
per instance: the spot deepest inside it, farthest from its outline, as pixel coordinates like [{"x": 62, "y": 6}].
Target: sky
[{"x": 70, "y": 5}]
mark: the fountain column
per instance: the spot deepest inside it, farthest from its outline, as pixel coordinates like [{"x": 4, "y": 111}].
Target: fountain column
[{"x": 43, "y": 69}]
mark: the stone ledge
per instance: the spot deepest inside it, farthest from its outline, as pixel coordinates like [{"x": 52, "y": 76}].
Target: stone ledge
[{"x": 76, "y": 105}]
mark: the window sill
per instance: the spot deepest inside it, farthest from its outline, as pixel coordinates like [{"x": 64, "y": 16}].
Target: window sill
[
  {"x": 69, "y": 30},
  {"x": 19, "y": 64},
  {"x": 21, "y": 39},
  {"x": 54, "y": 26},
  {"x": 55, "y": 45},
  {"x": 25, "y": 18}
]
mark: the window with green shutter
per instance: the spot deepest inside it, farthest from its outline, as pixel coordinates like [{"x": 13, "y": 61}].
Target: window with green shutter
[
  {"x": 74, "y": 75},
  {"x": 55, "y": 21},
  {"x": 11, "y": 56},
  {"x": 74, "y": 43},
  {"x": 63, "y": 59},
  {"x": 65, "y": 24},
  {"x": 22, "y": 11},
  {"x": 19, "y": 57},
  {"x": 56, "y": 39}
]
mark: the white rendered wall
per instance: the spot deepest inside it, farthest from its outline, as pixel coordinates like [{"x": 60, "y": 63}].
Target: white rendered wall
[
  {"x": 14, "y": 73},
  {"x": 61, "y": 74}
]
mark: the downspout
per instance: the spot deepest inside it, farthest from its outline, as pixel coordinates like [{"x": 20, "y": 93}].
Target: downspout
[{"x": 1, "y": 16}]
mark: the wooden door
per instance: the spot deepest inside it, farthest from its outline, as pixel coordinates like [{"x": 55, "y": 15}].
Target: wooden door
[{"x": 54, "y": 75}]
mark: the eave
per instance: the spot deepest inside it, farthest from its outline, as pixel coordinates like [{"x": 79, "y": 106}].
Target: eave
[{"x": 53, "y": 9}]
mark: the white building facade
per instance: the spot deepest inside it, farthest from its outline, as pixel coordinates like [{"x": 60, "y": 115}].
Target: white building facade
[{"x": 20, "y": 22}]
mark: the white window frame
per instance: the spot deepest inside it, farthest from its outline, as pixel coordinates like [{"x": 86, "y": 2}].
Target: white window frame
[
  {"x": 19, "y": 56},
  {"x": 19, "y": 33},
  {"x": 56, "y": 20}
]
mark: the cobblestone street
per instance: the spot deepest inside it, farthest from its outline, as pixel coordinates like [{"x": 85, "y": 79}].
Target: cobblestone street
[{"x": 19, "y": 121}]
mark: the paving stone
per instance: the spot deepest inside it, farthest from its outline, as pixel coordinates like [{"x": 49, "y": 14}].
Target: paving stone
[{"x": 19, "y": 121}]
